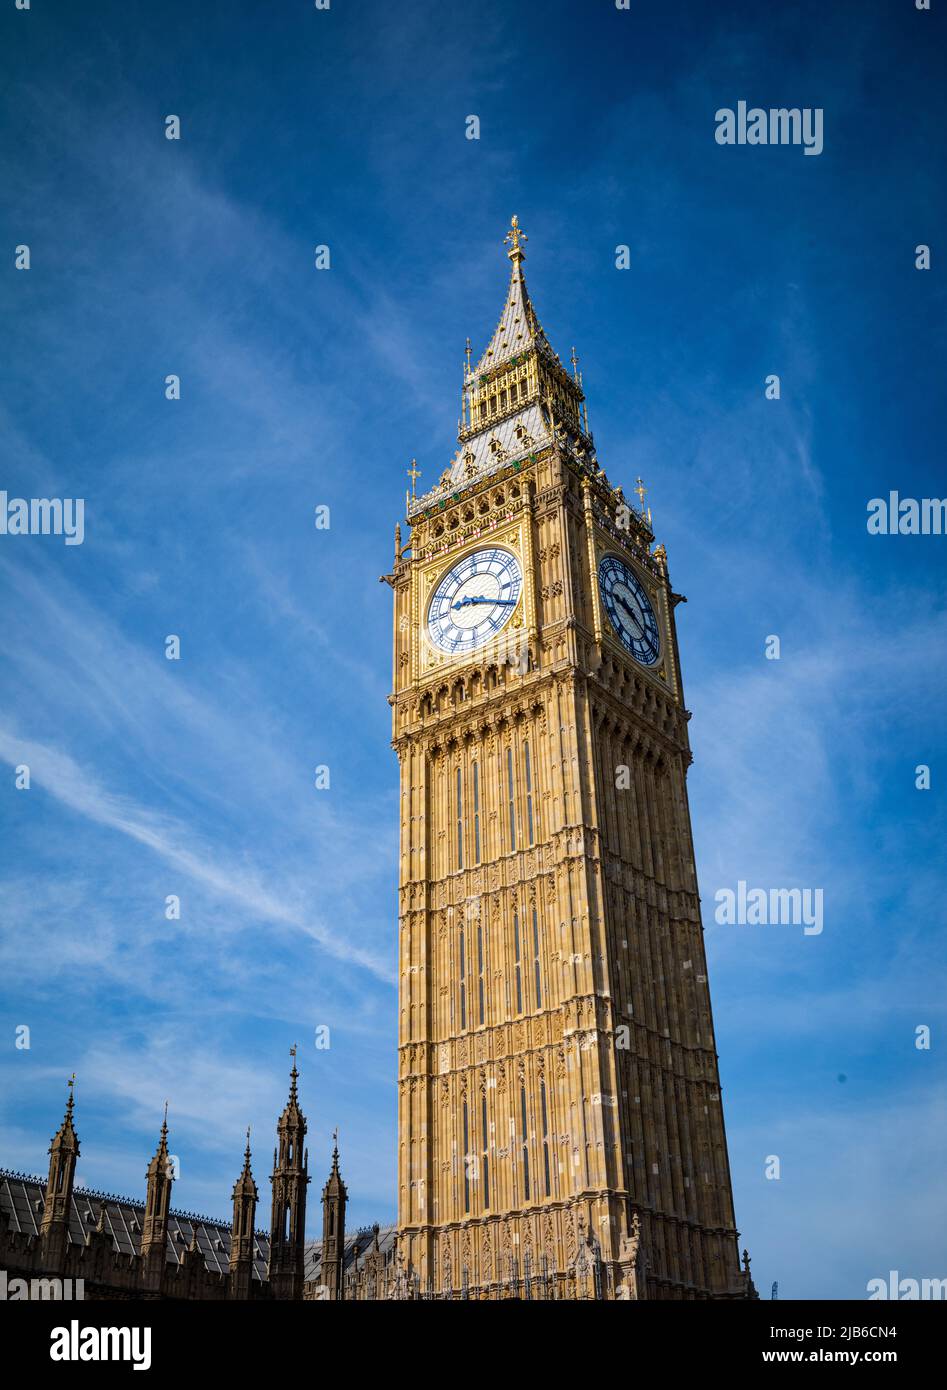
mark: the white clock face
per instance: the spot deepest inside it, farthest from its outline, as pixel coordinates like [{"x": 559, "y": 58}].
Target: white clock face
[
  {"x": 629, "y": 609},
  {"x": 474, "y": 600}
]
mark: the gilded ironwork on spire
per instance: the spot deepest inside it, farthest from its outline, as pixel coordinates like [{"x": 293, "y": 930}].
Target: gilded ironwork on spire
[
  {"x": 519, "y": 329},
  {"x": 518, "y": 399},
  {"x": 514, "y": 236}
]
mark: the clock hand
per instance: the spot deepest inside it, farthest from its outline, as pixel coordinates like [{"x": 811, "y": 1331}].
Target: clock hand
[
  {"x": 632, "y": 616},
  {"x": 504, "y": 602}
]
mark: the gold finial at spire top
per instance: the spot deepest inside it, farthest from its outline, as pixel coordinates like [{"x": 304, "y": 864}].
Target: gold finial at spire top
[
  {"x": 414, "y": 471},
  {"x": 642, "y": 492},
  {"x": 514, "y": 236},
  {"x": 467, "y": 352}
]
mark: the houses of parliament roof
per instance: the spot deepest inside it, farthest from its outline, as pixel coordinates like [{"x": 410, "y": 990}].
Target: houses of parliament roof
[{"x": 22, "y": 1196}]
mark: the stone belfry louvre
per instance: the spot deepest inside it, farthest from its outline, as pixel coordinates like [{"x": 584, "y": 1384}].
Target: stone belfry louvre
[{"x": 561, "y": 1131}]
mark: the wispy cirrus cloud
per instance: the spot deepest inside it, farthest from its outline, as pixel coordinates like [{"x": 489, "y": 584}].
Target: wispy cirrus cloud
[{"x": 57, "y": 773}]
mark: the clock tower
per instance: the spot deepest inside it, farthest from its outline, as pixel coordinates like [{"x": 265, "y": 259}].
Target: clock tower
[{"x": 560, "y": 1127}]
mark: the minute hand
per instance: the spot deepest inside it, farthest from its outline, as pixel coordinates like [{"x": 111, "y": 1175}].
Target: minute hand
[
  {"x": 632, "y": 615},
  {"x": 502, "y": 602}
]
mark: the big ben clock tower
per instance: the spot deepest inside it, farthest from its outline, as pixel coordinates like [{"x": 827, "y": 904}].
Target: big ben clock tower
[{"x": 560, "y": 1128}]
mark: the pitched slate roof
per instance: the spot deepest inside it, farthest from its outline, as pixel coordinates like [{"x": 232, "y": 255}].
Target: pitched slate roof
[
  {"x": 22, "y": 1196},
  {"x": 363, "y": 1241}
]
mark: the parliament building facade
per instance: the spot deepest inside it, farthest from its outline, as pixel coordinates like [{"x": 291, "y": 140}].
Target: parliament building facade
[{"x": 560, "y": 1125}]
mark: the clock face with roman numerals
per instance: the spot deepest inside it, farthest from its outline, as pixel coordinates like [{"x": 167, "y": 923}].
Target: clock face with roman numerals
[
  {"x": 474, "y": 600},
  {"x": 629, "y": 609}
]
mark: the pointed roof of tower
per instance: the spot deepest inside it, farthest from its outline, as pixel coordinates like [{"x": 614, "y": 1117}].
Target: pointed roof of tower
[
  {"x": 162, "y": 1159},
  {"x": 519, "y": 329},
  {"x": 65, "y": 1136},
  {"x": 292, "y": 1115},
  {"x": 245, "y": 1185},
  {"x": 334, "y": 1187},
  {"x": 505, "y": 427}
]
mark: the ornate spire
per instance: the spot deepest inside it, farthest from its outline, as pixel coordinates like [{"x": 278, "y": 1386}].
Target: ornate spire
[
  {"x": 518, "y": 329},
  {"x": 508, "y": 398},
  {"x": 65, "y": 1136},
  {"x": 161, "y": 1158},
  {"x": 154, "y": 1231},
  {"x": 334, "y": 1196},
  {"x": 334, "y": 1184},
  {"x": 289, "y": 1179},
  {"x": 63, "y": 1153},
  {"x": 241, "y": 1232},
  {"x": 245, "y": 1185},
  {"x": 292, "y": 1116}
]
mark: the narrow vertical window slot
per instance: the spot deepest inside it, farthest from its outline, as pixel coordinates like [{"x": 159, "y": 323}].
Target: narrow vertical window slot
[
  {"x": 486, "y": 1161},
  {"x": 510, "y": 797},
  {"x": 460, "y": 819},
  {"x": 466, "y": 1161},
  {"x": 476, "y": 809},
  {"x": 542, "y": 1102},
  {"x": 537, "y": 970},
  {"x": 480, "y": 972},
  {"x": 525, "y": 1146}
]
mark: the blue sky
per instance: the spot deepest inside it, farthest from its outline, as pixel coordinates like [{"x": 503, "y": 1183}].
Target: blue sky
[{"x": 304, "y": 387}]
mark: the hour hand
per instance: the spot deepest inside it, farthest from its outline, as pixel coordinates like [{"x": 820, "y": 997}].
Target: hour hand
[{"x": 631, "y": 613}]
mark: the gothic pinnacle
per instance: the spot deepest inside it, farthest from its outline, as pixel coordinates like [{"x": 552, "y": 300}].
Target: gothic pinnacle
[{"x": 66, "y": 1133}]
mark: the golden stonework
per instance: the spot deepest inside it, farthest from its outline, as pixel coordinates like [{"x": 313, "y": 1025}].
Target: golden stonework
[{"x": 558, "y": 1083}]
